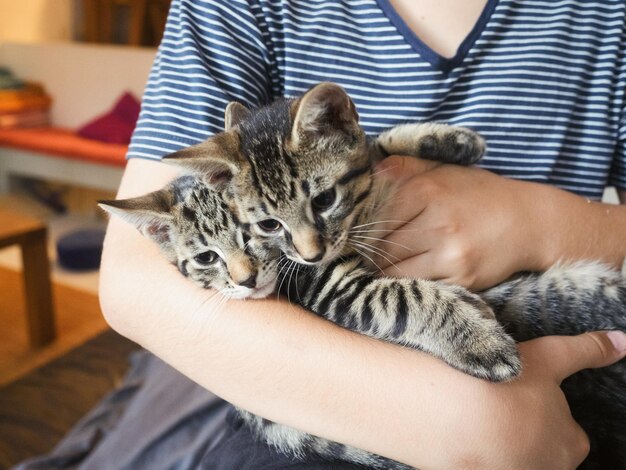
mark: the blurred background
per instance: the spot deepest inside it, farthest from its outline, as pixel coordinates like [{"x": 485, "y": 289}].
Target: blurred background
[
  {"x": 128, "y": 22},
  {"x": 72, "y": 73}
]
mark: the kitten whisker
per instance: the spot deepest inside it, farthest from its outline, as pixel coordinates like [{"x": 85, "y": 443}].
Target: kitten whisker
[
  {"x": 297, "y": 288},
  {"x": 282, "y": 273},
  {"x": 210, "y": 297},
  {"x": 380, "y": 172},
  {"x": 365, "y": 255},
  {"x": 383, "y": 230},
  {"x": 383, "y": 240},
  {"x": 371, "y": 249},
  {"x": 383, "y": 222},
  {"x": 379, "y": 251},
  {"x": 291, "y": 268}
]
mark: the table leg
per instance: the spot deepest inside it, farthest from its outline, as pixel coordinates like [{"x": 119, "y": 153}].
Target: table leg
[{"x": 38, "y": 290}]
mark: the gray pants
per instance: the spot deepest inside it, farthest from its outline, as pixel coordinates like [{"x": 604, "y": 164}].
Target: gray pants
[{"x": 156, "y": 419}]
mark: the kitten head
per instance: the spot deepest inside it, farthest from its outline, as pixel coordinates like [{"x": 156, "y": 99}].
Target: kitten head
[
  {"x": 297, "y": 172},
  {"x": 197, "y": 232}
]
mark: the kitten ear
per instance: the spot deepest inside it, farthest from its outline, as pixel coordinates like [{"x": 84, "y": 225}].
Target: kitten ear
[
  {"x": 325, "y": 109},
  {"x": 151, "y": 214},
  {"x": 234, "y": 114},
  {"x": 215, "y": 160}
]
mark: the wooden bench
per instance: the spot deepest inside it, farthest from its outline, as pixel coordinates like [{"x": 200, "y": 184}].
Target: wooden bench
[
  {"x": 30, "y": 234},
  {"x": 76, "y": 160}
]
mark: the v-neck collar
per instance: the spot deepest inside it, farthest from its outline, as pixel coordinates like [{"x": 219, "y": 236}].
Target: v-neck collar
[{"x": 436, "y": 60}]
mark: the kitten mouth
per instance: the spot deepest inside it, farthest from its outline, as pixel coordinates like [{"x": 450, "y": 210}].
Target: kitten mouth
[{"x": 263, "y": 291}]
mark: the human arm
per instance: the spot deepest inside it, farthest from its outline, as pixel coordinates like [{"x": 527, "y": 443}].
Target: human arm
[
  {"x": 295, "y": 368},
  {"x": 472, "y": 227}
]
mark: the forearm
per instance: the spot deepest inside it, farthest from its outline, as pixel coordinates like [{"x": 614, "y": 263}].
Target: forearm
[{"x": 569, "y": 227}]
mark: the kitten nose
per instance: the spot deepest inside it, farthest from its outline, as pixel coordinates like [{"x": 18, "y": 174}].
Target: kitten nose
[
  {"x": 308, "y": 244},
  {"x": 241, "y": 270},
  {"x": 250, "y": 282},
  {"x": 319, "y": 256}
]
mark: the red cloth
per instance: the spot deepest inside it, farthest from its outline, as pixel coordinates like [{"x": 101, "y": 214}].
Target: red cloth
[
  {"x": 117, "y": 125},
  {"x": 64, "y": 143}
]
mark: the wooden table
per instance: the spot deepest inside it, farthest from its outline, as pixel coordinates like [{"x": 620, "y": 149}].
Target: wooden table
[{"x": 30, "y": 234}]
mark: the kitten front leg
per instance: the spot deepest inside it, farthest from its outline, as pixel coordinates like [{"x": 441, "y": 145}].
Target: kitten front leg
[
  {"x": 445, "y": 321},
  {"x": 431, "y": 140}
]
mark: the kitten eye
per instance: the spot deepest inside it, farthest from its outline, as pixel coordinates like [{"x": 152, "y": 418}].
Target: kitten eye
[
  {"x": 206, "y": 258},
  {"x": 324, "y": 199},
  {"x": 270, "y": 225}
]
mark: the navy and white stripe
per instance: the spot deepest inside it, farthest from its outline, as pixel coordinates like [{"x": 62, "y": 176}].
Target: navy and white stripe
[{"x": 542, "y": 80}]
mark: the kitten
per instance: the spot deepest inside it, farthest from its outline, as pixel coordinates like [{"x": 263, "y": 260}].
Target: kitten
[
  {"x": 194, "y": 227},
  {"x": 298, "y": 173}
]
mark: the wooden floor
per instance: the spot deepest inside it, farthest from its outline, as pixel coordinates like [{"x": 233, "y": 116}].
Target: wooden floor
[{"x": 78, "y": 318}]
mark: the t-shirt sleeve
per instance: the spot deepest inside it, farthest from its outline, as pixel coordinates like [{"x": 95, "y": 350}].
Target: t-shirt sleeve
[{"x": 212, "y": 52}]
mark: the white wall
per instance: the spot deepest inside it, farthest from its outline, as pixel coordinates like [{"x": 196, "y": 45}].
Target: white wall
[
  {"x": 84, "y": 80},
  {"x": 36, "y": 20}
]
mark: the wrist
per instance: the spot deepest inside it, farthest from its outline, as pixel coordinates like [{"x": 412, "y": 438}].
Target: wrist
[
  {"x": 569, "y": 227},
  {"x": 548, "y": 233},
  {"x": 535, "y": 226}
]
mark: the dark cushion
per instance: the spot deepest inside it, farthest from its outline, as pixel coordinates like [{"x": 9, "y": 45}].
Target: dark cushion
[{"x": 81, "y": 250}]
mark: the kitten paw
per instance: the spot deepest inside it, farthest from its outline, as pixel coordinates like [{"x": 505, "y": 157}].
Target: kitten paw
[
  {"x": 434, "y": 141},
  {"x": 457, "y": 145},
  {"x": 479, "y": 345},
  {"x": 490, "y": 354}
]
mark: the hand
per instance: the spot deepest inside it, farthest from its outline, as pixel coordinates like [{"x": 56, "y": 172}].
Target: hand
[
  {"x": 465, "y": 225},
  {"x": 526, "y": 424}
]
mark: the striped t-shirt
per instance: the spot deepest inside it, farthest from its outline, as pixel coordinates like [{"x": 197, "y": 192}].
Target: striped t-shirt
[{"x": 542, "y": 80}]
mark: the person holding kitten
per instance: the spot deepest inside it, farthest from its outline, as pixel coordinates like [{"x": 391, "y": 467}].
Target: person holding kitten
[{"x": 542, "y": 82}]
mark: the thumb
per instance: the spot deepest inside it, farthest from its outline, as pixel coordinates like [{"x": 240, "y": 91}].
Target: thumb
[
  {"x": 570, "y": 354},
  {"x": 400, "y": 169}
]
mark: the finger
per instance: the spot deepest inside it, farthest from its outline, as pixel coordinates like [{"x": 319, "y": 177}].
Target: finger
[
  {"x": 407, "y": 241},
  {"x": 405, "y": 206},
  {"x": 400, "y": 169},
  {"x": 570, "y": 354},
  {"x": 393, "y": 244}
]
